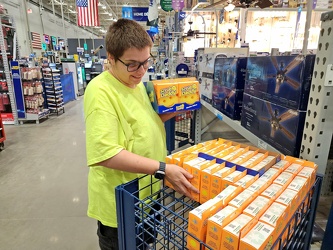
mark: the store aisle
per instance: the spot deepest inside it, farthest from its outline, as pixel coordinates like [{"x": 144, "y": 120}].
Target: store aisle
[{"x": 43, "y": 185}]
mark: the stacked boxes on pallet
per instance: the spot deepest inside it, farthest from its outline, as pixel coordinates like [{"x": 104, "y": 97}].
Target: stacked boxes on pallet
[{"x": 251, "y": 205}]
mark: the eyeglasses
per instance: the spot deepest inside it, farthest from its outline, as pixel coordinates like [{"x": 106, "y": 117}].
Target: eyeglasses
[{"x": 131, "y": 67}]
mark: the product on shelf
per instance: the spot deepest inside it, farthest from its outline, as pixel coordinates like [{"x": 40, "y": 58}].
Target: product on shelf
[
  {"x": 279, "y": 126},
  {"x": 228, "y": 86},
  {"x": 32, "y": 88},
  {"x": 281, "y": 80},
  {"x": 53, "y": 89}
]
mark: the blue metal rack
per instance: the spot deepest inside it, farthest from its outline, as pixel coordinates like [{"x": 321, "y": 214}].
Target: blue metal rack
[{"x": 161, "y": 219}]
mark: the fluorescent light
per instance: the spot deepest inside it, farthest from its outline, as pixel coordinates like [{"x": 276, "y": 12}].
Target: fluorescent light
[{"x": 230, "y": 7}]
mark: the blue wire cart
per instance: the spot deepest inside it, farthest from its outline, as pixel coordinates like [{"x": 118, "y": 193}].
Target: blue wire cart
[{"x": 161, "y": 219}]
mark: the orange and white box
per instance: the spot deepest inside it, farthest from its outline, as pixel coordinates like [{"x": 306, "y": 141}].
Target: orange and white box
[
  {"x": 283, "y": 179},
  {"x": 231, "y": 232},
  {"x": 273, "y": 191},
  {"x": 197, "y": 223},
  {"x": 258, "y": 238},
  {"x": 243, "y": 157},
  {"x": 253, "y": 160},
  {"x": 243, "y": 199},
  {"x": 246, "y": 181},
  {"x": 294, "y": 168},
  {"x": 206, "y": 180},
  {"x": 281, "y": 165},
  {"x": 225, "y": 152},
  {"x": 216, "y": 223},
  {"x": 270, "y": 175},
  {"x": 228, "y": 194},
  {"x": 234, "y": 154},
  {"x": 192, "y": 161},
  {"x": 265, "y": 163},
  {"x": 289, "y": 197},
  {"x": 258, "y": 186},
  {"x": 232, "y": 178},
  {"x": 309, "y": 173},
  {"x": 196, "y": 180},
  {"x": 276, "y": 215},
  {"x": 300, "y": 185},
  {"x": 257, "y": 207},
  {"x": 188, "y": 91},
  {"x": 216, "y": 178}
]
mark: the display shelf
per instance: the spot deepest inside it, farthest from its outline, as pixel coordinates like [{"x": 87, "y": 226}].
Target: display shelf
[
  {"x": 53, "y": 90},
  {"x": 36, "y": 117},
  {"x": 236, "y": 125},
  {"x": 8, "y": 53},
  {"x": 2, "y": 135}
]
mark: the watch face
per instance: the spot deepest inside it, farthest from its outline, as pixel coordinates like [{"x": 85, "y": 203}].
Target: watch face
[{"x": 159, "y": 175}]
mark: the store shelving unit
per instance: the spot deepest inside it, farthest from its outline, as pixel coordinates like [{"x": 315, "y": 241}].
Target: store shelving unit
[
  {"x": 8, "y": 53},
  {"x": 33, "y": 91},
  {"x": 2, "y": 135},
  {"x": 53, "y": 90},
  {"x": 236, "y": 125},
  {"x": 317, "y": 133}
]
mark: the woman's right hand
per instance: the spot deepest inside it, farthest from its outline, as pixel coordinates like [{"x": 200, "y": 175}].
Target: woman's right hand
[{"x": 179, "y": 178}]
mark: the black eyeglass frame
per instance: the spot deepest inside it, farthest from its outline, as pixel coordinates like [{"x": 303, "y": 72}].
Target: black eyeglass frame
[{"x": 140, "y": 64}]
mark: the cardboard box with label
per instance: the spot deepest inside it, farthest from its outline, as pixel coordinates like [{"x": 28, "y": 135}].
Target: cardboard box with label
[
  {"x": 231, "y": 232},
  {"x": 217, "y": 222}
]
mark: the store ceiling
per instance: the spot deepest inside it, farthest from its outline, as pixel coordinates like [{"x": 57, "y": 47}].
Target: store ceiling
[{"x": 109, "y": 10}]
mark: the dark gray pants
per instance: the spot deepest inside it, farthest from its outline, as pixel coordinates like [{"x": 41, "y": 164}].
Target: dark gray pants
[{"x": 108, "y": 237}]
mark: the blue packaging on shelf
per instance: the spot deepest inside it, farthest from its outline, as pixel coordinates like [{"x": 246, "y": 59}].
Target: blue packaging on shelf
[
  {"x": 279, "y": 126},
  {"x": 283, "y": 80},
  {"x": 228, "y": 86}
]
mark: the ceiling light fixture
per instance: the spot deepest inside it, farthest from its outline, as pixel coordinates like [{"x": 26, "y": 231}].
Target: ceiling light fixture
[{"x": 229, "y": 7}]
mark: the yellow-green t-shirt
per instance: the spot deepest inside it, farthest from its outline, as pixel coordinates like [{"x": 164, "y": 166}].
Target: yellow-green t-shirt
[{"x": 117, "y": 117}]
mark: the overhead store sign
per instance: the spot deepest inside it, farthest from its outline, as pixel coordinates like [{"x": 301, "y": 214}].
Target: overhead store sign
[
  {"x": 139, "y": 14},
  {"x": 178, "y": 5},
  {"x": 166, "y": 5}
]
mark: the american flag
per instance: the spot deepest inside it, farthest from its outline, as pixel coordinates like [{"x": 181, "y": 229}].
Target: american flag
[
  {"x": 87, "y": 12},
  {"x": 36, "y": 42}
]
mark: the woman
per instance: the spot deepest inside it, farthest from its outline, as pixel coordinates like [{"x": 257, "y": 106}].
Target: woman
[{"x": 125, "y": 138}]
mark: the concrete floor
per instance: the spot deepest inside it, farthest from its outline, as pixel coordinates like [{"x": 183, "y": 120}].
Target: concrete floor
[{"x": 43, "y": 184}]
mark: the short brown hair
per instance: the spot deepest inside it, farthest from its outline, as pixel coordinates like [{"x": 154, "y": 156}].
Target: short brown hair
[{"x": 125, "y": 34}]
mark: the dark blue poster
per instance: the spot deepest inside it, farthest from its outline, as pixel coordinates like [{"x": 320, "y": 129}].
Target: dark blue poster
[{"x": 18, "y": 89}]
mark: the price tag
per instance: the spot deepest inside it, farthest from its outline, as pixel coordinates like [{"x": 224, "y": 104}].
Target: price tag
[{"x": 262, "y": 144}]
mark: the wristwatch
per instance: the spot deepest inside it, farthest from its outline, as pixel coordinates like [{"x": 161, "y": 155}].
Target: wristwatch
[{"x": 160, "y": 173}]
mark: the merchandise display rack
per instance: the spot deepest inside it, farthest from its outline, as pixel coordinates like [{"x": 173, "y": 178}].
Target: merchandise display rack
[
  {"x": 317, "y": 134},
  {"x": 165, "y": 219},
  {"x": 53, "y": 90},
  {"x": 6, "y": 22},
  {"x": 2, "y": 135},
  {"x": 33, "y": 92}
]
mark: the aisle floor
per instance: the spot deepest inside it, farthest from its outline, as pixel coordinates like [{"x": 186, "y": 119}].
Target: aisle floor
[{"x": 43, "y": 184}]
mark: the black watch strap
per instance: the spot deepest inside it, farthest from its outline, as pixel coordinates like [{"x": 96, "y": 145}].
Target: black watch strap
[{"x": 160, "y": 173}]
